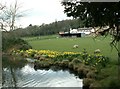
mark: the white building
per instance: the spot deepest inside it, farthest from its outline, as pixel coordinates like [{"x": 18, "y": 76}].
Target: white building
[
  {"x": 74, "y": 30},
  {"x": 86, "y": 31}
]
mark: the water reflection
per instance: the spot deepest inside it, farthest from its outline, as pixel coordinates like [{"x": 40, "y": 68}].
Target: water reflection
[
  {"x": 27, "y": 76},
  {"x": 49, "y": 78},
  {"x": 0, "y": 68},
  {"x": 10, "y": 70}
]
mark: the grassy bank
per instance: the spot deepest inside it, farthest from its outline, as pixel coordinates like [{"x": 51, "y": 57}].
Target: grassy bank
[
  {"x": 95, "y": 68},
  {"x": 105, "y": 76},
  {"x": 66, "y": 44}
]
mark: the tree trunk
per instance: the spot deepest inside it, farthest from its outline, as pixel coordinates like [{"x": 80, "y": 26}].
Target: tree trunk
[{"x": 14, "y": 78}]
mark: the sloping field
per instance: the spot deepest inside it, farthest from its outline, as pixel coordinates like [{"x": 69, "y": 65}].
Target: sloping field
[{"x": 66, "y": 44}]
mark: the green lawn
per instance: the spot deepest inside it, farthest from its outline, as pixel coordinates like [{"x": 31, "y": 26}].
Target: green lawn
[{"x": 66, "y": 44}]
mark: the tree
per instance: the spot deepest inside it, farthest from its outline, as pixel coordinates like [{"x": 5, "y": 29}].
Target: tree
[
  {"x": 1, "y": 9},
  {"x": 97, "y": 14},
  {"x": 9, "y": 15}
]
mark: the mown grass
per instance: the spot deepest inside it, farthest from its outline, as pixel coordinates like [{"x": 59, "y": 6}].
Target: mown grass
[
  {"x": 66, "y": 44},
  {"x": 39, "y": 37}
]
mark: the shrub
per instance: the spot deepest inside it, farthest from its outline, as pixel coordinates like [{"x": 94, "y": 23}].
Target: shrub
[
  {"x": 75, "y": 67},
  {"x": 37, "y": 56},
  {"x": 42, "y": 64},
  {"x": 65, "y": 63},
  {"x": 76, "y": 58},
  {"x": 76, "y": 61},
  {"x": 114, "y": 84},
  {"x": 10, "y": 41},
  {"x": 95, "y": 85},
  {"x": 70, "y": 65},
  {"x": 85, "y": 71},
  {"x": 91, "y": 74},
  {"x": 80, "y": 70},
  {"x": 25, "y": 46},
  {"x": 88, "y": 81}
]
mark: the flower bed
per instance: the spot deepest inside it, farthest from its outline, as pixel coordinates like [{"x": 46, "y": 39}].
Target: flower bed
[
  {"x": 82, "y": 63},
  {"x": 95, "y": 60}
]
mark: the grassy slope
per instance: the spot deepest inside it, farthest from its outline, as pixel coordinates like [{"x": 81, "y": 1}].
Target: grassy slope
[{"x": 66, "y": 44}]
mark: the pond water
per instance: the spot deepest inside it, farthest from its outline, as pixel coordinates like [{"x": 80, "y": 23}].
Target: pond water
[{"x": 22, "y": 74}]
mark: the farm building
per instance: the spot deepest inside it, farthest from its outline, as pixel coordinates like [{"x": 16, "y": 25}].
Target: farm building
[{"x": 80, "y": 32}]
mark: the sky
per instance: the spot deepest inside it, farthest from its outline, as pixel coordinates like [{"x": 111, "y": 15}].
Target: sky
[{"x": 37, "y": 12}]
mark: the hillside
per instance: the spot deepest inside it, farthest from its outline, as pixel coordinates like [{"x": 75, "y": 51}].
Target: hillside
[{"x": 48, "y": 29}]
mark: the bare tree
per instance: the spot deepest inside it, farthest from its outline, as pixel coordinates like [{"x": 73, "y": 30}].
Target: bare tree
[
  {"x": 1, "y": 9},
  {"x": 9, "y": 15}
]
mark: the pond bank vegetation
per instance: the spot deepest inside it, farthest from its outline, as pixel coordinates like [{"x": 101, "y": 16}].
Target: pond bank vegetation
[{"x": 89, "y": 66}]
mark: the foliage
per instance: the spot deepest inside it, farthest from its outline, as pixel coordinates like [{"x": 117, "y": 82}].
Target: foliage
[
  {"x": 76, "y": 61},
  {"x": 8, "y": 16},
  {"x": 9, "y": 41},
  {"x": 92, "y": 60},
  {"x": 87, "y": 81},
  {"x": 48, "y": 29},
  {"x": 90, "y": 71},
  {"x": 114, "y": 83},
  {"x": 97, "y": 14},
  {"x": 13, "y": 61}
]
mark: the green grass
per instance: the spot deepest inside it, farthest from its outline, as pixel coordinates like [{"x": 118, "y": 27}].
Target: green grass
[
  {"x": 66, "y": 44},
  {"x": 39, "y": 37}
]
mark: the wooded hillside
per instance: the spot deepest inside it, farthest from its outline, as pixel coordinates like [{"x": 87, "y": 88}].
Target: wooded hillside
[{"x": 49, "y": 29}]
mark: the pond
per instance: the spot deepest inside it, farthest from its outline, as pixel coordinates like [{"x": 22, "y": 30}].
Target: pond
[{"x": 22, "y": 74}]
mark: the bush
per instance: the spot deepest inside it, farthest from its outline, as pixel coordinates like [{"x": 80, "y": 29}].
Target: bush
[
  {"x": 88, "y": 81},
  {"x": 91, "y": 74},
  {"x": 114, "y": 84},
  {"x": 80, "y": 70},
  {"x": 95, "y": 85},
  {"x": 75, "y": 67},
  {"x": 10, "y": 41},
  {"x": 76, "y": 61},
  {"x": 65, "y": 63},
  {"x": 70, "y": 65}
]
